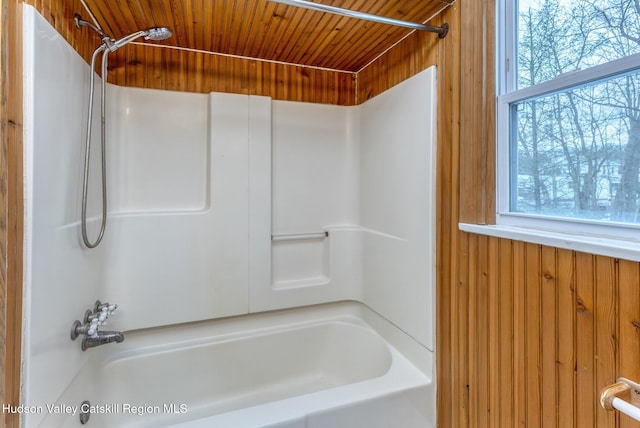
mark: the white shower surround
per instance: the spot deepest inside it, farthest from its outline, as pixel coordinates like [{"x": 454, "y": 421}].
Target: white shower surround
[{"x": 197, "y": 186}]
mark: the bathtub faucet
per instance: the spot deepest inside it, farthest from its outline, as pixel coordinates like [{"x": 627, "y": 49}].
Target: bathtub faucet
[
  {"x": 93, "y": 319},
  {"x": 100, "y": 338}
]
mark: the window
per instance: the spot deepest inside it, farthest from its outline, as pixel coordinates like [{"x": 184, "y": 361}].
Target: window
[{"x": 569, "y": 115}]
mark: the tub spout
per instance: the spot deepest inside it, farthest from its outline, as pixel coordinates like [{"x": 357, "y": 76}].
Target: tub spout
[
  {"x": 89, "y": 329},
  {"x": 101, "y": 338}
]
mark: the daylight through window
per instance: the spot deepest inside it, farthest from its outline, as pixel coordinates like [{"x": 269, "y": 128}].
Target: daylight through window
[{"x": 569, "y": 111}]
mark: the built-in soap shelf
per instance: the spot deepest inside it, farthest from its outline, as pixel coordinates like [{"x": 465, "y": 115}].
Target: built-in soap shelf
[{"x": 299, "y": 260}]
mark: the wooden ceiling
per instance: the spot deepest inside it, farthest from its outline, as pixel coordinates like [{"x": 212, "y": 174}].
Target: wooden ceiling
[{"x": 269, "y": 31}]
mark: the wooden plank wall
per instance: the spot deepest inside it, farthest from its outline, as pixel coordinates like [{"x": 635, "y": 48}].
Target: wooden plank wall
[
  {"x": 11, "y": 211},
  {"x": 477, "y": 130},
  {"x": 192, "y": 71},
  {"x": 545, "y": 330},
  {"x": 527, "y": 334}
]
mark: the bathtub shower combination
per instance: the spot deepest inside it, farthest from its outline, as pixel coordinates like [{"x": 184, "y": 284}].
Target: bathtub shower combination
[{"x": 271, "y": 262}]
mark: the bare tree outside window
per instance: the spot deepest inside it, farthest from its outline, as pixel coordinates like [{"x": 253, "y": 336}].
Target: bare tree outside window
[{"x": 577, "y": 151}]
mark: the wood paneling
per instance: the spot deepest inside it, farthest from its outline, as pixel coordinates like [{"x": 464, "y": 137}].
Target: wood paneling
[
  {"x": 270, "y": 31},
  {"x": 477, "y": 112},
  {"x": 4, "y": 141},
  {"x": 566, "y": 323},
  {"x": 182, "y": 70},
  {"x": 11, "y": 210},
  {"x": 527, "y": 334}
]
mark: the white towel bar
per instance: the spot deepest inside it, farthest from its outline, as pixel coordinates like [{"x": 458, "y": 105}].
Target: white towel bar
[
  {"x": 300, "y": 236},
  {"x": 623, "y": 396},
  {"x": 626, "y": 408}
]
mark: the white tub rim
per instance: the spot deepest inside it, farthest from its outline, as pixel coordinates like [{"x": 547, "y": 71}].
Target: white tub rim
[{"x": 201, "y": 332}]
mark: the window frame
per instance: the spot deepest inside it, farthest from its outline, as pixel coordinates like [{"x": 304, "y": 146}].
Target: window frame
[{"x": 507, "y": 95}]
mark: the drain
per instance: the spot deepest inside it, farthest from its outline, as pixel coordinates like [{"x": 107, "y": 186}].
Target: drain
[{"x": 85, "y": 411}]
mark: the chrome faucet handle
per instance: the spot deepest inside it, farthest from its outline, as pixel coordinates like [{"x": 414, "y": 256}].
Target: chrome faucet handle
[
  {"x": 89, "y": 328},
  {"x": 88, "y": 315},
  {"x": 92, "y": 322},
  {"x": 97, "y": 306},
  {"x": 77, "y": 328},
  {"x": 93, "y": 328},
  {"x": 101, "y": 307}
]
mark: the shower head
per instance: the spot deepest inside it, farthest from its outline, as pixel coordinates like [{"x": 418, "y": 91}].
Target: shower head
[
  {"x": 158, "y": 33},
  {"x": 155, "y": 33}
]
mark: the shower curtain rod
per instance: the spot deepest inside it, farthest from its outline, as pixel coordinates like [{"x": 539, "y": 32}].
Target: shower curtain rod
[{"x": 441, "y": 31}]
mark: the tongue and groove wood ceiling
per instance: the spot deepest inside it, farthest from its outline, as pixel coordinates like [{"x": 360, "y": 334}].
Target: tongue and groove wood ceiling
[{"x": 270, "y": 31}]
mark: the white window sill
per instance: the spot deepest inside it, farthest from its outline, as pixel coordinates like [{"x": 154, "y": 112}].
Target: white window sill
[{"x": 617, "y": 248}]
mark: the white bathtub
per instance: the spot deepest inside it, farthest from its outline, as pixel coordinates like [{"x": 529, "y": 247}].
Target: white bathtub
[{"x": 330, "y": 366}]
